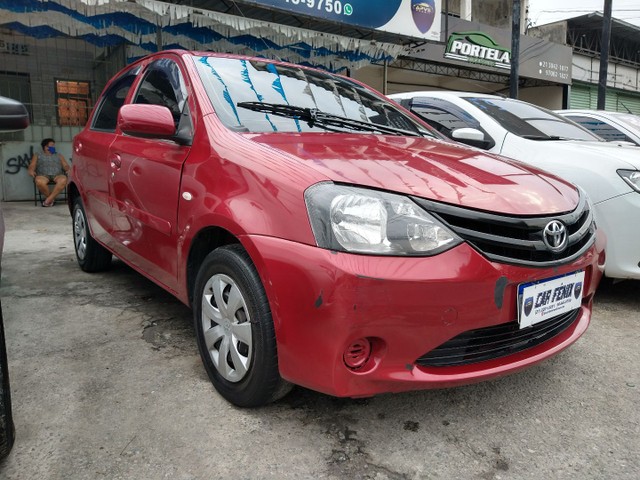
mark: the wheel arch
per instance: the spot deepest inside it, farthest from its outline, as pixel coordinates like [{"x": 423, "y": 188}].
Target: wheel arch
[
  {"x": 204, "y": 242},
  {"x": 72, "y": 194}
]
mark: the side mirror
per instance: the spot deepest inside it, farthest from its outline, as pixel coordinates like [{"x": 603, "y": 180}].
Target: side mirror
[
  {"x": 13, "y": 115},
  {"x": 471, "y": 136},
  {"x": 148, "y": 121}
]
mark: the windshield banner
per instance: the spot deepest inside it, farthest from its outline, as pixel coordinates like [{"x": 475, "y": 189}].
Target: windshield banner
[{"x": 414, "y": 18}]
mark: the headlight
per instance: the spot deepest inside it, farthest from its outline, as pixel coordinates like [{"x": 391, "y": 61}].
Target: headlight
[
  {"x": 632, "y": 177},
  {"x": 358, "y": 220}
]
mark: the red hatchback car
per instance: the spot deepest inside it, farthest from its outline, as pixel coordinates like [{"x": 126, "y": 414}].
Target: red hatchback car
[{"x": 323, "y": 236}]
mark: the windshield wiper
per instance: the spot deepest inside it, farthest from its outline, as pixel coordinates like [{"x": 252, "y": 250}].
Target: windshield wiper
[
  {"x": 545, "y": 137},
  {"x": 314, "y": 117}
]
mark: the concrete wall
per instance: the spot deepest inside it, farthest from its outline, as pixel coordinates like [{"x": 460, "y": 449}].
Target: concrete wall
[
  {"x": 44, "y": 61},
  {"x": 15, "y": 182},
  {"x": 554, "y": 32},
  {"x": 548, "y": 97},
  {"x": 496, "y": 13},
  {"x": 372, "y": 75},
  {"x": 587, "y": 69}
]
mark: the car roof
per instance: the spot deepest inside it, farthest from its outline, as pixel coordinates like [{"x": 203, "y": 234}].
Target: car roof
[
  {"x": 585, "y": 111},
  {"x": 442, "y": 94}
]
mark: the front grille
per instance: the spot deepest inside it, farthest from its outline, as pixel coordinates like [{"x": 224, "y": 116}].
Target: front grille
[
  {"x": 517, "y": 239},
  {"x": 495, "y": 342}
]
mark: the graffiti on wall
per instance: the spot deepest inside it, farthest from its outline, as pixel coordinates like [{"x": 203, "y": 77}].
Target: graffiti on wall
[{"x": 15, "y": 164}]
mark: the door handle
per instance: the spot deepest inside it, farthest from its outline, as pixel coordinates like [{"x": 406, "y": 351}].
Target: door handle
[{"x": 115, "y": 161}]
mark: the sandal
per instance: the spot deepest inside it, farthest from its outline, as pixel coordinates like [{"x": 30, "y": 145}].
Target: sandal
[{"x": 45, "y": 204}]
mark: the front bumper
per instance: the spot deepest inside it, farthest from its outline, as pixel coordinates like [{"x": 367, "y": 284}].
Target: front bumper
[
  {"x": 322, "y": 301},
  {"x": 615, "y": 217}
]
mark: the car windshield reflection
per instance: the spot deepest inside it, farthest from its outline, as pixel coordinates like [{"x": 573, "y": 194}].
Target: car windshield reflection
[{"x": 230, "y": 82}]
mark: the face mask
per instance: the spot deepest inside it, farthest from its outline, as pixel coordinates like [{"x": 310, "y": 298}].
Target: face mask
[{"x": 52, "y": 150}]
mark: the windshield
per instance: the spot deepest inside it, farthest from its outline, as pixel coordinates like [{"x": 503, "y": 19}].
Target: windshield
[
  {"x": 231, "y": 81},
  {"x": 530, "y": 121}
]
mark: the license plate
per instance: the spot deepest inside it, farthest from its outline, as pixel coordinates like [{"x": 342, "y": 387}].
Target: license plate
[{"x": 539, "y": 301}]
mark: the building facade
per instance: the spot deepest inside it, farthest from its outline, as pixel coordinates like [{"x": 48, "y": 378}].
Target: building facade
[{"x": 583, "y": 34}]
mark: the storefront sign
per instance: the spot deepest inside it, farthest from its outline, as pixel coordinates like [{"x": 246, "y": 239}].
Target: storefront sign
[
  {"x": 477, "y": 47},
  {"x": 482, "y": 47},
  {"x": 413, "y": 18}
]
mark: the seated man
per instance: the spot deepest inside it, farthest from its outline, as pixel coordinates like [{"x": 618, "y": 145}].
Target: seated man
[{"x": 49, "y": 166}]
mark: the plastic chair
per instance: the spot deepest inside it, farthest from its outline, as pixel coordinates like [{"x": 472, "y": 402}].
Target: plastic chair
[{"x": 37, "y": 195}]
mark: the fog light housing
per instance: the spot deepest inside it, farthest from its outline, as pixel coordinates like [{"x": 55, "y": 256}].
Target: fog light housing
[{"x": 357, "y": 353}]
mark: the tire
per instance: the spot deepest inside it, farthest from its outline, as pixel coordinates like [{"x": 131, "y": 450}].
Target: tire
[
  {"x": 234, "y": 329},
  {"x": 91, "y": 256},
  {"x": 7, "y": 430}
]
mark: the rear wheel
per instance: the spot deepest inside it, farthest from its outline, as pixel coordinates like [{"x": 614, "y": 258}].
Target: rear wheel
[
  {"x": 91, "y": 256},
  {"x": 235, "y": 331}
]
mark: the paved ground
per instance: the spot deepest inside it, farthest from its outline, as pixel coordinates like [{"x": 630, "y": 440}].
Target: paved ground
[{"x": 107, "y": 383}]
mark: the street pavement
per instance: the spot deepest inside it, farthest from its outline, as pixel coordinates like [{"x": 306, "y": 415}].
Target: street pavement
[{"x": 107, "y": 384}]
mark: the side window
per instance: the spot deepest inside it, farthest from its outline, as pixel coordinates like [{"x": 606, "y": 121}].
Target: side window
[
  {"x": 446, "y": 117},
  {"x": 600, "y": 128},
  {"x": 106, "y": 116},
  {"x": 163, "y": 85}
]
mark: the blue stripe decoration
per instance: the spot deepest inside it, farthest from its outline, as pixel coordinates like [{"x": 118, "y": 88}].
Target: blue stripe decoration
[
  {"x": 277, "y": 86},
  {"x": 120, "y": 27},
  {"x": 226, "y": 94},
  {"x": 124, "y": 20},
  {"x": 199, "y": 34},
  {"x": 45, "y": 31},
  {"x": 247, "y": 79}
]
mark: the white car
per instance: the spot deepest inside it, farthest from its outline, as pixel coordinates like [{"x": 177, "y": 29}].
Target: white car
[
  {"x": 612, "y": 126},
  {"x": 609, "y": 172}
]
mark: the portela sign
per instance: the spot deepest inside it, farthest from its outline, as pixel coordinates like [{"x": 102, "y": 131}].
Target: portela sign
[{"x": 477, "y": 47}]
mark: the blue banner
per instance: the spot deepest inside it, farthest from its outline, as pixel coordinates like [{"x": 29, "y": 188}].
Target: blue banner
[{"x": 417, "y": 18}]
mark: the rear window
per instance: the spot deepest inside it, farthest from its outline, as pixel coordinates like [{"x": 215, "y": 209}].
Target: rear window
[{"x": 229, "y": 81}]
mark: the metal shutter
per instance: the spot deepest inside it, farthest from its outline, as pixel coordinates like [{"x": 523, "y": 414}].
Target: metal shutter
[
  {"x": 580, "y": 97},
  {"x": 628, "y": 102}
]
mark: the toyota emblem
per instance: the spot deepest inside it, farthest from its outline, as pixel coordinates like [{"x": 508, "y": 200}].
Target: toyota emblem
[{"x": 555, "y": 236}]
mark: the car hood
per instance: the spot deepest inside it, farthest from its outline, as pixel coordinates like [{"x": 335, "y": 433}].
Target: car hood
[
  {"x": 624, "y": 154},
  {"x": 427, "y": 168},
  {"x": 591, "y": 165}
]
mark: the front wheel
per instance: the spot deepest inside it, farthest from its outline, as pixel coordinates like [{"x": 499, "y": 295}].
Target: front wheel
[
  {"x": 234, "y": 329},
  {"x": 91, "y": 256}
]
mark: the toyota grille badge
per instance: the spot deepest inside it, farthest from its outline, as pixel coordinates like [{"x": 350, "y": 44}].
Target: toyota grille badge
[{"x": 555, "y": 236}]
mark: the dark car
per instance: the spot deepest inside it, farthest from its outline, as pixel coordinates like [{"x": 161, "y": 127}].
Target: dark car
[
  {"x": 324, "y": 236},
  {"x": 13, "y": 116}
]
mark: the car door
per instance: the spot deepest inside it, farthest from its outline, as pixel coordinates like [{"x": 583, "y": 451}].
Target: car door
[
  {"x": 90, "y": 156},
  {"x": 145, "y": 178}
]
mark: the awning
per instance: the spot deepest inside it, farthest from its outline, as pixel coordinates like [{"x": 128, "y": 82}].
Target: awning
[{"x": 142, "y": 23}]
